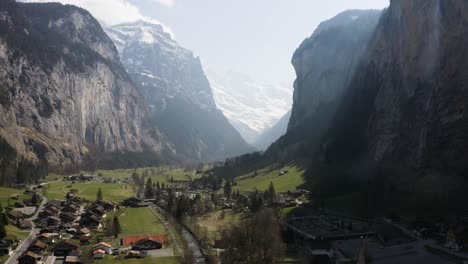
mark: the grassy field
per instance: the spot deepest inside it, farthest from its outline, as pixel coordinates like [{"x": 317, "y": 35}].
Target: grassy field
[
  {"x": 14, "y": 233},
  {"x": 115, "y": 192},
  {"x": 139, "y": 221},
  {"x": 148, "y": 260},
  {"x": 5, "y": 194},
  {"x": 283, "y": 183},
  {"x": 214, "y": 221},
  {"x": 162, "y": 174}
]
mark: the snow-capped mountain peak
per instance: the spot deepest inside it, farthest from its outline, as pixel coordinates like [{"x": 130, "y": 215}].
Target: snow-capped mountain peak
[{"x": 251, "y": 106}]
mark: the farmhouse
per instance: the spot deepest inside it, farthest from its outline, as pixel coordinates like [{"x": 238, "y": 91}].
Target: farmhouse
[
  {"x": 147, "y": 244},
  {"x": 156, "y": 241},
  {"x": 132, "y": 202}
]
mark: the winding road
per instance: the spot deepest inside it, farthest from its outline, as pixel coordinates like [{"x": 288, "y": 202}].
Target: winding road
[{"x": 23, "y": 246}]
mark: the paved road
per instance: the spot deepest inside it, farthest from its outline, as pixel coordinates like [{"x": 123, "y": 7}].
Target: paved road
[
  {"x": 192, "y": 242},
  {"x": 29, "y": 239},
  {"x": 155, "y": 209}
]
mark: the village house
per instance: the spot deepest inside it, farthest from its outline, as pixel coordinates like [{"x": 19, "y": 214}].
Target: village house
[
  {"x": 37, "y": 247},
  {"x": 145, "y": 242},
  {"x": 107, "y": 205},
  {"x": 99, "y": 254},
  {"x": 107, "y": 248},
  {"x": 6, "y": 247},
  {"x": 29, "y": 258},
  {"x": 67, "y": 218},
  {"x": 52, "y": 221},
  {"x": 71, "y": 208},
  {"x": 48, "y": 238},
  {"x": 25, "y": 225},
  {"x": 15, "y": 215},
  {"x": 65, "y": 247},
  {"x": 90, "y": 221},
  {"x": 132, "y": 202}
]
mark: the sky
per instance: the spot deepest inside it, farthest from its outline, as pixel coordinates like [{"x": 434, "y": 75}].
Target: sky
[{"x": 256, "y": 37}]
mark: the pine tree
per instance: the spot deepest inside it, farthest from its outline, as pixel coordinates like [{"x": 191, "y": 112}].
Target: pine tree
[
  {"x": 99, "y": 195},
  {"x": 117, "y": 228},
  {"x": 2, "y": 223},
  {"x": 227, "y": 189},
  {"x": 149, "y": 191}
]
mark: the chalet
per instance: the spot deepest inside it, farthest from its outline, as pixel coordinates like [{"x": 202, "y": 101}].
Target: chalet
[
  {"x": 107, "y": 248},
  {"x": 47, "y": 237},
  {"x": 147, "y": 244},
  {"x": 6, "y": 247},
  {"x": 65, "y": 247},
  {"x": 52, "y": 221},
  {"x": 15, "y": 215},
  {"x": 14, "y": 196},
  {"x": 99, "y": 254},
  {"x": 29, "y": 258},
  {"x": 52, "y": 207},
  {"x": 56, "y": 202},
  {"x": 90, "y": 221},
  {"x": 132, "y": 202},
  {"x": 67, "y": 218},
  {"x": 37, "y": 247},
  {"x": 98, "y": 210},
  {"x": 84, "y": 240},
  {"x": 107, "y": 205},
  {"x": 84, "y": 231},
  {"x": 25, "y": 225},
  {"x": 129, "y": 241},
  {"x": 71, "y": 208}
]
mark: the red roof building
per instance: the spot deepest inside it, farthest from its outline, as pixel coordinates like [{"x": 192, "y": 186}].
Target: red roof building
[{"x": 132, "y": 240}]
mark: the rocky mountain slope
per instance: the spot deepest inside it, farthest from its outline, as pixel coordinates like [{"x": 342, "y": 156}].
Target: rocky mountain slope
[
  {"x": 177, "y": 91},
  {"x": 63, "y": 91},
  {"x": 264, "y": 140},
  {"x": 403, "y": 119},
  {"x": 251, "y": 106},
  {"x": 325, "y": 64}
]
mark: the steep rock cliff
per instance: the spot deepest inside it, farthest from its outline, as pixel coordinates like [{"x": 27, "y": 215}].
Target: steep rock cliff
[
  {"x": 63, "y": 91},
  {"x": 405, "y": 110},
  {"x": 325, "y": 64}
]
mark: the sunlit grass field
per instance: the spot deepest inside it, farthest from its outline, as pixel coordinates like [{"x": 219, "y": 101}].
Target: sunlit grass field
[
  {"x": 115, "y": 192},
  {"x": 288, "y": 181}
]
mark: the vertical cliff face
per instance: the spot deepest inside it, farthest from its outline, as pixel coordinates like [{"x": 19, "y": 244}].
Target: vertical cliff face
[
  {"x": 405, "y": 110},
  {"x": 326, "y": 61},
  {"x": 63, "y": 91},
  {"x": 177, "y": 92},
  {"x": 325, "y": 64}
]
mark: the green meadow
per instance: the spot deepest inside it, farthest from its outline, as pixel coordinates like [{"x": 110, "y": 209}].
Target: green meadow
[{"x": 288, "y": 181}]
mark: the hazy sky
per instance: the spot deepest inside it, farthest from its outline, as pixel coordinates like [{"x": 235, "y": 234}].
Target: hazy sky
[{"x": 257, "y": 37}]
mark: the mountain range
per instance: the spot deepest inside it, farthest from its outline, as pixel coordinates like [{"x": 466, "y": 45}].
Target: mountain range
[
  {"x": 177, "y": 92},
  {"x": 72, "y": 97},
  {"x": 251, "y": 106}
]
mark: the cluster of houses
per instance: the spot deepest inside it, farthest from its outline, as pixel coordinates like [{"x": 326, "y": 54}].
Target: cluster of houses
[{"x": 61, "y": 217}]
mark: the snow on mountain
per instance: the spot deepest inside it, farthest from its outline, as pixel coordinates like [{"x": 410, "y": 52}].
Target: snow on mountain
[
  {"x": 147, "y": 50},
  {"x": 177, "y": 92},
  {"x": 251, "y": 106}
]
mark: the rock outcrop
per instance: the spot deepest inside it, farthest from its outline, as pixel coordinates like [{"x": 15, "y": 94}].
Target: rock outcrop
[{"x": 63, "y": 92}]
